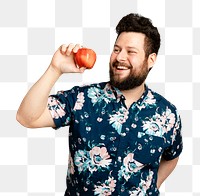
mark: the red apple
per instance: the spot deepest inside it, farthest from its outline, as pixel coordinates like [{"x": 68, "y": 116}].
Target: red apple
[{"x": 85, "y": 57}]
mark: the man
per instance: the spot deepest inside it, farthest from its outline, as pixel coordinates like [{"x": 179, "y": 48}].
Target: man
[{"x": 124, "y": 139}]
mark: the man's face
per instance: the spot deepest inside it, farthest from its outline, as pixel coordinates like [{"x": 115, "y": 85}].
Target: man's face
[{"x": 128, "y": 65}]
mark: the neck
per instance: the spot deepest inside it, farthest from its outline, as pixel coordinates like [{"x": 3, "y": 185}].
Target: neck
[{"x": 133, "y": 95}]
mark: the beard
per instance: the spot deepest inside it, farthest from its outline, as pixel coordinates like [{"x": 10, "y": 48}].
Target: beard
[{"x": 133, "y": 80}]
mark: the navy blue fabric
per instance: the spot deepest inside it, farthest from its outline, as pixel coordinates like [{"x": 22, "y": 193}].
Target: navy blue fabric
[{"x": 115, "y": 150}]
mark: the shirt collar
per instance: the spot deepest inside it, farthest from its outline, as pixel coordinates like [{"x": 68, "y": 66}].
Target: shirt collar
[
  {"x": 144, "y": 95},
  {"x": 116, "y": 93},
  {"x": 119, "y": 96}
]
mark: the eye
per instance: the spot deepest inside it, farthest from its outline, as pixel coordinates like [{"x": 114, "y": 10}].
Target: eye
[
  {"x": 132, "y": 52},
  {"x": 116, "y": 50}
]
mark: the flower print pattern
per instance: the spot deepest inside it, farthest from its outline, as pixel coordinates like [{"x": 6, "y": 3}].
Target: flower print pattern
[
  {"x": 129, "y": 167},
  {"x": 117, "y": 119},
  {"x": 159, "y": 124},
  {"x": 114, "y": 149},
  {"x": 169, "y": 120},
  {"x": 105, "y": 189},
  {"x": 144, "y": 185},
  {"x": 99, "y": 157},
  {"x": 99, "y": 96},
  {"x": 148, "y": 102},
  {"x": 56, "y": 109},
  {"x": 176, "y": 127},
  {"x": 81, "y": 160},
  {"x": 80, "y": 101},
  {"x": 150, "y": 99},
  {"x": 95, "y": 159},
  {"x": 108, "y": 92},
  {"x": 70, "y": 170},
  {"x": 96, "y": 95}
]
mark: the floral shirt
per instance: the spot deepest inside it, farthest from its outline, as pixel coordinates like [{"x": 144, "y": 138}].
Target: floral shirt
[{"x": 115, "y": 150}]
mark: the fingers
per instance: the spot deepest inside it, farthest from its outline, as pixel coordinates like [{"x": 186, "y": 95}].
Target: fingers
[
  {"x": 78, "y": 70},
  {"x": 70, "y": 64},
  {"x": 82, "y": 69},
  {"x": 76, "y": 48},
  {"x": 68, "y": 49}
]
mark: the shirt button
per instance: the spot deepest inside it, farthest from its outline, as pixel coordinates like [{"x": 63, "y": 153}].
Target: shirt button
[
  {"x": 123, "y": 134},
  {"x": 122, "y": 97}
]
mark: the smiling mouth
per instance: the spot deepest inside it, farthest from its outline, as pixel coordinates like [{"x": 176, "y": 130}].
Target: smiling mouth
[{"x": 121, "y": 66}]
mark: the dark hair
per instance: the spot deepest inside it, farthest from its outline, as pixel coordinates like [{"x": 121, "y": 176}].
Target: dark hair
[{"x": 137, "y": 23}]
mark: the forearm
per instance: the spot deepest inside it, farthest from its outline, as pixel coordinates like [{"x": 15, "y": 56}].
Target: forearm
[
  {"x": 165, "y": 169},
  {"x": 35, "y": 101},
  {"x": 33, "y": 111}
]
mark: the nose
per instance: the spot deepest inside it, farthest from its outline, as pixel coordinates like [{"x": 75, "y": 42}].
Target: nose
[{"x": 121, "y": 56}]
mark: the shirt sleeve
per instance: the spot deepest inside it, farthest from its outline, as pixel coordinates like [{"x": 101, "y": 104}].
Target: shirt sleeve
[
  {"x": 176, "y": 147},
  {"x": 61, "y": 106}
]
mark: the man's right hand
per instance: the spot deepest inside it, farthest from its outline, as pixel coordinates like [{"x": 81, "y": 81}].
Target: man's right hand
[
  {"x": 63, "y": 59},
  {"x": 33, "y": 111}
]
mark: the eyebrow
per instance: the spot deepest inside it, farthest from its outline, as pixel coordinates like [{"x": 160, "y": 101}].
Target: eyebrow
[
  {"x": 117, "y": 46},
  {"x": 128, "y": 47}
]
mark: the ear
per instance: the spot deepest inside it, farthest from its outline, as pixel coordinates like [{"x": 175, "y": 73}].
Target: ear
[{"x": 151, "y": 60}]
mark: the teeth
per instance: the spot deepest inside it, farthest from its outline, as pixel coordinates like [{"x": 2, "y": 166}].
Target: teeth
[{"x": 122, "y": 67}]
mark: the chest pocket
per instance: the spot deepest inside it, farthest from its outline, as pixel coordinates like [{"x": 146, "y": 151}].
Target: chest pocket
[{"x": 148, "y": 148}]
